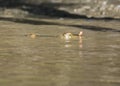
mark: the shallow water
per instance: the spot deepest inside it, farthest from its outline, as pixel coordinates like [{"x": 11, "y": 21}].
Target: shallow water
[{"x": 48, "y": 60}]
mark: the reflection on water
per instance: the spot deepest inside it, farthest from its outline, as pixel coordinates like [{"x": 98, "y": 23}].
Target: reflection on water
[{"x": 52, "y": 61}]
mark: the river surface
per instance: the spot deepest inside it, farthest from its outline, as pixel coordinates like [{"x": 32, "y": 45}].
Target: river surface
[{"x": 48, "y": 60}]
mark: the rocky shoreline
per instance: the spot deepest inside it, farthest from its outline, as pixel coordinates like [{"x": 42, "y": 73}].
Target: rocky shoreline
[{"x": 63, "y": 8}]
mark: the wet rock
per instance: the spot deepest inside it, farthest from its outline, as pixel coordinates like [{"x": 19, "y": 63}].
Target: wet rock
[
  {"x": 95, "y": 8},
  {"x": 89, "y": 8}
]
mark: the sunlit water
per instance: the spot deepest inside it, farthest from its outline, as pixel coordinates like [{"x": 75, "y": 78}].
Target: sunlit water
[{"x": 52, "y": 61}]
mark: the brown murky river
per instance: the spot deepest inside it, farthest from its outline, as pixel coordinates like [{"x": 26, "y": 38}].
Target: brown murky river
[{"x": 48, "y": 60}]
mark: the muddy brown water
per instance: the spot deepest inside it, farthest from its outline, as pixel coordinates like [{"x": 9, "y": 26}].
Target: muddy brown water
[{"x": 48, "y": 60}]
